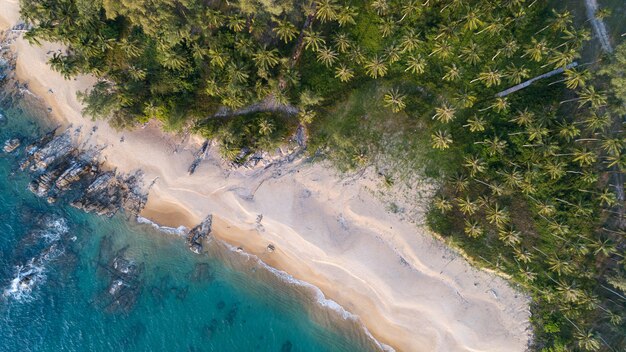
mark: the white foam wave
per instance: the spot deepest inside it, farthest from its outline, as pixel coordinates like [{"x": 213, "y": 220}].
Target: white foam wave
[
  {"x": 319, "y": 295},
  {"x": 26, "y": 277},
  {"x": 179, "y": 231},
  {"x": 55, "y": 229}
]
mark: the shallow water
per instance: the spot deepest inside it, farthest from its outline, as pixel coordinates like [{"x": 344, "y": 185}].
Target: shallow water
[{"x": 58, "y": 267}]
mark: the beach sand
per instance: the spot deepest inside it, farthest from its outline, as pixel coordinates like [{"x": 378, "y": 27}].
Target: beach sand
[{"x": 410, "y": 290}]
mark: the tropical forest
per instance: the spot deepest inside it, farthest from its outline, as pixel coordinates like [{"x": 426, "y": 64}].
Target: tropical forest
[{"x": 513, "y": 108}]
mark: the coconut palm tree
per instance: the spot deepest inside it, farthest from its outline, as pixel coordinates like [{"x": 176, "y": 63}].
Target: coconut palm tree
[
  {"x": 509, "y": 236},
  {"x": 523, "y": 256},
  {"x": 524, "y": 118},
  {"x": 380, "y": 6},
  {"x": 285, "y": 30},
  {"x": 346, "y": 15},
  {"x": 395, "y": 100},
  {"x": 474, "y": 164},
  {"x": 375, "y": 67},
  {"x": 555, "y": 169},
  {"x": 471, "y": 53},
  {"x": 344, "y": 73},
  {"x": 489, "y": 78},
  {"x": 584, "y": 157},
  {"x": 589, "y": 95},
  {"x": 410, "y": 9},
  {"x": 415, "y": 64},
  {"x": 536, "y": 49},
  {"x": 495, "y": 145},
  {"x": 466, "y": 205},
  {"x": 497, "y": 215},
  {"x": 326, "y": 10},
  {"x": 342, "y": 42},
  {"x": 442, "y": 50},
  {"x": 265, "y": 59},
  {"x": 387, "y": 27},
  {"x": 392, "y": 53},
  {"x": 516, "y": 74},
  {"x": 587, "y": 341},
  {"x": 473, "y": 229},
  {"x": 472, "y": 21},
  {"x": 476, "y": 124},
  {"x": 460, "y": 183},
  {"x": 442, "y": 204},
  {"x": 613, "y": 146},
  {"x": 597, "y": 122},
  {"x": 444, "y": 113},
  {"x": 265, "y": 127},
  {"x": 313, "y": 40},
  {"x": 326, "y": 56},
  {"x": 236, "y": 23},
  {"x": 559, "y": 266},
  {"x": 452, "y": 73},
  {"x": 441, "y": 140},
  {"x": 410, "y": 41}
]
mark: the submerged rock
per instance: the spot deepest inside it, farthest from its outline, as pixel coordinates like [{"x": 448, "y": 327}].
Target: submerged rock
[
  {"x": 198, "y": 234},
  {"x": 11, "y": 145}
]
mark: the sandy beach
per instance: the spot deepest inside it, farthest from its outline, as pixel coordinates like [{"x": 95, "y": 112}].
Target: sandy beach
[{"x": 410, "y": 290}]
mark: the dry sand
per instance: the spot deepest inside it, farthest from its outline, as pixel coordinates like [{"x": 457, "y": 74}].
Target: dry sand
[{"x": 407, "y": 287}]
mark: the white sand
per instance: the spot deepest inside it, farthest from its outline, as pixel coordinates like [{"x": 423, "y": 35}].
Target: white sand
[{"x": 331, "y": 233}]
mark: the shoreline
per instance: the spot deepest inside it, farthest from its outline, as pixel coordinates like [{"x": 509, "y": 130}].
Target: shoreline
[{"x": 332, "y": 234}]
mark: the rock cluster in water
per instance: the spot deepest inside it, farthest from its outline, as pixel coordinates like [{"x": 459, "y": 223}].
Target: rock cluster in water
[
  {"x": 196, "y": 236},
  {"x": 59, "y": 168}
]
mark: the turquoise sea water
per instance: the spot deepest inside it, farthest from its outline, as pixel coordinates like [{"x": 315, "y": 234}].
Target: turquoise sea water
[{"x": 223, "y": 301}]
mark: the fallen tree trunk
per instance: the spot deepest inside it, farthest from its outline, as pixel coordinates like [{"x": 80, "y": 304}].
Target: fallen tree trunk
[{"x": 525, "y": 84}]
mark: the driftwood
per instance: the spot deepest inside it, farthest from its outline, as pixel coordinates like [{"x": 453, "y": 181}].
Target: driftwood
[{"x": 525, "y": 84}]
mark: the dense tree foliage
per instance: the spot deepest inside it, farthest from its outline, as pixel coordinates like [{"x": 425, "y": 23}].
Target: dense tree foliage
[{"x": 533, "y": 178}]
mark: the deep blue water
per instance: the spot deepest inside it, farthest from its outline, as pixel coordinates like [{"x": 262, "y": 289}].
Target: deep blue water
[{"x": 180, "y": 302}]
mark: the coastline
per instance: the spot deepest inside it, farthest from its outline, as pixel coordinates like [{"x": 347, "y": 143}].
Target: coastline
[{"x": 408, "y": 288}]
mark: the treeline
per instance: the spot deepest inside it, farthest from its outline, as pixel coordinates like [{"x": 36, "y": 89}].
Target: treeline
[{"x": 532, "y": 179}]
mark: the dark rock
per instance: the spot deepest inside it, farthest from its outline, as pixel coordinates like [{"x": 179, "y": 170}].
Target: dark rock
[
  {"x": 11, "y": 145},
  {"x": 198, "y": 234}
]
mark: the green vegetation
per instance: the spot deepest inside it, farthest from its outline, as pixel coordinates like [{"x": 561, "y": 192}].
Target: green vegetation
[{"x": 532, "y": 181}]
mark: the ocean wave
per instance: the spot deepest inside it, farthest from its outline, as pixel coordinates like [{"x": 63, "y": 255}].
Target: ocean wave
[
  {"x": 26, "y": 277},
  {"x": 55, "y": 229},
  {"x": 179, "y": 231},
  {"x": 319, "y": 295}
]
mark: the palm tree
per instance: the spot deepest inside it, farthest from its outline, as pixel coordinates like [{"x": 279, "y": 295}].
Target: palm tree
[
  {"x": 476, "y": 124},
  {"x": 459, "y": 182},
  {"x": 613, "y": 146},
  {"x": 584, "y": 157},
  {"x": 410, "y": 9},
  {"x": 392, "y": 53},
  {"x": 285, "y": 30},
  {"x": 442, "y": 204},
  {"x": 523, "y": 256},
  {"x": 441, "y": 140},
  {"x": 498, "y": 216},
  {"x": 395, "y": 100},
  {"x": 472, "y": 21},
  {"x": 452, "y": 73},
  {"x": 410, "y": 41},
  {"x": 375, "y": 67},
  {"x": 387, "y": 27},
  {"x": 442, "y": 50},
  {"x": 313, "y": 40},
  {"x": 559, "y": 266},
  {"x": 466, "y": 99},
  {"x": 444, "y": 113},
  {"x": 326, "y": 10},
  {"x": 597, "y": 122},
  {"x": 467, "y": 206},
  {"x": 471, "y": 53},
  {"x": 236, "y": 23},
  {"x": 342, "y": 42},
  {"x": 326, "y": 56},
  {"x": 555, "y": 169},
  {"x": 587, "y": 341},
  {"x": 416, "y": 64},
  {"x": 589, "y": 95},
  {"x": 495, "y": 145},
  {"x": 568, "y": 131},
  {"x": 536, "y": 50},
  {"x": 265, "y": 127},
  {"x": 217, "y": 58},
  {"x": 517, "y": 74},
  {"x": 524, "y": 118},
  {"x": 381, "y": 6},
  {"x": 474, "y": 164},
  {"x": 346, "y": 15},
  {"x": 265, "y": 59},
  {"x": 509, "y": 236},
  {"x": 563, "y": 58},
  {"x": 489, "y": 78},
  {"x": 344, "y": 73},
  {"x": 473, "y": 229}
]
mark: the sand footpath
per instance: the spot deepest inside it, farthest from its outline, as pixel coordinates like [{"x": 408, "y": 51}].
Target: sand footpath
[{"x": 408, "y": 288}]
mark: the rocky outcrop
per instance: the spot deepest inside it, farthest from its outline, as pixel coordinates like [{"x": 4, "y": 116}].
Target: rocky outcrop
[
  {"x": 196, "y": 236},
  {"x": 11, "y": 145},
  {"x": 59, "y": 168}
]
